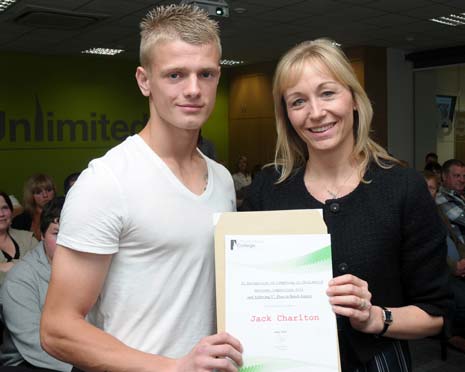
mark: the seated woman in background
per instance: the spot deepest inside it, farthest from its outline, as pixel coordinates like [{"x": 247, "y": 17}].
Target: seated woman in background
[
  {"x": 242, "y": 178},
  {"x": 13, "y": 243},
  {"x": 436, "y": 169},
  {"x": 38, "y": 190},
  {"x": 433, "y": 183},
  {"x": 389, "y": 264}
]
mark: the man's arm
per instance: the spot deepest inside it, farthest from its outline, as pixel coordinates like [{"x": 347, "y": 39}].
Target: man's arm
[
  {"x": 77, "y": 279},
  {"x": 454, "y": 212}
]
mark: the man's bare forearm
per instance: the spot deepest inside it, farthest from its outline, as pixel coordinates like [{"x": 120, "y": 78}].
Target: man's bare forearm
[{"x": 90, "y": 349}]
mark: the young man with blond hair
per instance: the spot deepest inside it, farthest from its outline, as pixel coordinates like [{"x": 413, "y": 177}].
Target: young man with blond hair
[{"x": 135, "y": 248}]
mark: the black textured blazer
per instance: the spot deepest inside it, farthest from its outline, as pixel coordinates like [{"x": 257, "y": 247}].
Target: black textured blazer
[{"x": 387, "y": 232}]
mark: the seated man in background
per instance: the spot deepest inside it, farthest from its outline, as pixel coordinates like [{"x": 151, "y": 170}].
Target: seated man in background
[
  {"x": 456, "y": 262},
  {"x": 450, "y": 196},
  {"x": 22, "y": 297}
]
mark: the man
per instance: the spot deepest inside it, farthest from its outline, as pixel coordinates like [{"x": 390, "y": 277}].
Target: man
[
  {"x": 136, "y": 236},
  {"x": 23, "y": 296},
  {"x": 449, "y": 198},
  {"x": 452, "y": 209}
]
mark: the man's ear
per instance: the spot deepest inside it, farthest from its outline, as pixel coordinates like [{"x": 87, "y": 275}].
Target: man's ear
[{"x": 142, "y": 78}]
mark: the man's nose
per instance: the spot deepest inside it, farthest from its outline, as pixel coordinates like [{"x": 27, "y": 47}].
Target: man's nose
[{"x": 192, "y": 86}]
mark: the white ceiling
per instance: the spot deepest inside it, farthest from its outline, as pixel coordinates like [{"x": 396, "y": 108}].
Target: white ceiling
[{"x": 262, "y": 33}]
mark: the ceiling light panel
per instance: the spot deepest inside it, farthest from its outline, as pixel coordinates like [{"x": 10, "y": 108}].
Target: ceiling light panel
[
  {"x": 103, "y": 51},
  {"x": 451, "y": 20},
  {"x": 5, "y": 4},
  {"x": 230, "y": 62}
]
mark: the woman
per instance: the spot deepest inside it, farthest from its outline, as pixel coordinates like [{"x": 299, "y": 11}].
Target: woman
[
  {"x": 388, "y": 261},
  {"x": 38, "y": 190},
  {"x": 242, "y": 179},
  {"x": 435, "y": 168},
  {"x": 432, "y": 181},
  {"x": 13, "y": 243}
]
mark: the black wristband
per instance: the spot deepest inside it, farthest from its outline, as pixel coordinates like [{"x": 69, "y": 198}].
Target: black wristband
[{"x": 387, "y": 317}]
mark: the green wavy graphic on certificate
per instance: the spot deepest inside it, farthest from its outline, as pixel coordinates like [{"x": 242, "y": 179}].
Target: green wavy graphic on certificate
[
  {"x": 271, "y": 365},
  {"x": 318, "y": 260}
]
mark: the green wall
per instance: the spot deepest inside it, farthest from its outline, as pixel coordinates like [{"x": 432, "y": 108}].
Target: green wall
[{"x": 58, "y": 113}]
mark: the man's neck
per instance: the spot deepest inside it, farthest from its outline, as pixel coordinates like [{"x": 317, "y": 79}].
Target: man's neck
[
  {"x": 177, "y": 148},
  {"x": 169, "y": 142}
]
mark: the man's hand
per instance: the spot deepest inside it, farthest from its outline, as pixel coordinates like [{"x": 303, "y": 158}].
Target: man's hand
[{"x": 221, "y": 351}]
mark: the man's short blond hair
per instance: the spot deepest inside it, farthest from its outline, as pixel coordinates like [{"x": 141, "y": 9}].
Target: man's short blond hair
[{"x": 176, "y": 22}]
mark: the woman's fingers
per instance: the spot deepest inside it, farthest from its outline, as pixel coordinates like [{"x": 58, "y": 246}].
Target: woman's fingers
[{"x": 349, "y": 296}]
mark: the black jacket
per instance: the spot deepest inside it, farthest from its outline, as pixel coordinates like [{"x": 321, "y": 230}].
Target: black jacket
[{"x": 387, "y": 232}]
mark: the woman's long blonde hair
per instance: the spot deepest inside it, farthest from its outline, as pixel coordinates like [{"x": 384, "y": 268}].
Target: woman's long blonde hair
[
  {"x": 34, "y": 184},
  {"x": 291, "y": 150}
]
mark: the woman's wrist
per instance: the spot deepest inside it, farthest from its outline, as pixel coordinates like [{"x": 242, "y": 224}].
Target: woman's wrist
[{"x": 376, "y": 320}]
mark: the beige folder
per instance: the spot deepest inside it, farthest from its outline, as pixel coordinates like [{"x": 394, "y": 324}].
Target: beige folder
[{"x": 308, "y": 221}]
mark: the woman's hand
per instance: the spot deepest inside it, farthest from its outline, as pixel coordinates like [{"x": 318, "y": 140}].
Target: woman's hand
[{"x": 350, "y": 297}]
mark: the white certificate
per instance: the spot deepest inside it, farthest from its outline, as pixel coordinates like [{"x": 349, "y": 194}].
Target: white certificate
[{"x": 276, "y": 303}]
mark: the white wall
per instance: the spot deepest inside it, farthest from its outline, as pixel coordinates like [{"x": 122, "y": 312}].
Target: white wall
[
  {"x": 430, "y": 136},
  {"x": 426, "y": 115},
  {"x": 400, "y": 106}
]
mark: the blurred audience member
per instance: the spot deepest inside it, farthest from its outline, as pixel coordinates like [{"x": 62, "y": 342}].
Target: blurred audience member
[
  {"x": 69, "y": 181},
  {"x": 242, "y": 179},
  {"x": 13, "y": 243},
  {"x": 436, "y": 169},
  {"x": 38, "y": 190},
  {"x": 206, "y": 146},
  {"x": 431, "y": 157},
  {"x": 23, "y": 295},
  {"x": 456, "y": 262},
  {"x": 432, "y": 181},
  {"x": 256, "y": 170},
  {"x": 450, "y": 196}
]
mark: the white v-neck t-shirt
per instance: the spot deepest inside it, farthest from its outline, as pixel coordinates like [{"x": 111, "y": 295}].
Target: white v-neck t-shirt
[{"x": 158, "y": 296}]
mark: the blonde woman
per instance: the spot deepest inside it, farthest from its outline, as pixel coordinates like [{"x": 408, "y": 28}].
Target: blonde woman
[
  {"x": 388, "y": 261},
  {"x": 38, "y": 190}
]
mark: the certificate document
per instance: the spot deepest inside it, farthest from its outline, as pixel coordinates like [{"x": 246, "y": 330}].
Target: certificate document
[{"x": 275, "y": 301}]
